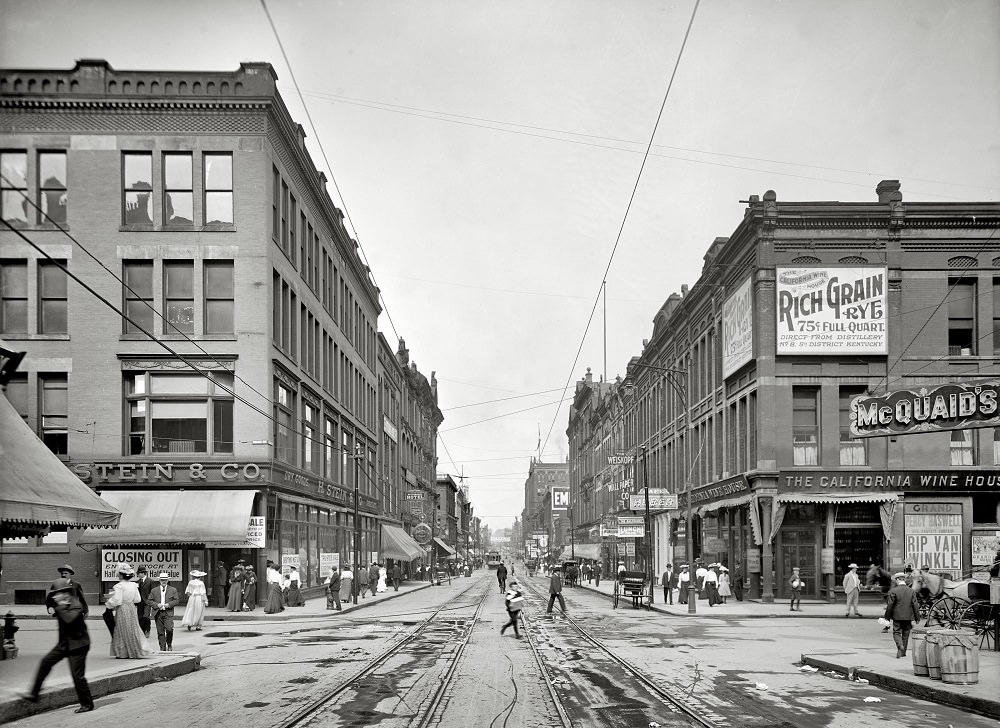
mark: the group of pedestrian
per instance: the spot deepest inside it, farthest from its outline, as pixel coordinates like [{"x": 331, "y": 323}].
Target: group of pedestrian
[{"x": 242, "y": 581}]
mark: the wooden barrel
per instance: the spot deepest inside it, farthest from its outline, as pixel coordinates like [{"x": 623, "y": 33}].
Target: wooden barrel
[
  {"x": 918, "y": 651},
  {"x": 959, "y": 658},
  {"x": 933, "y": 653}
]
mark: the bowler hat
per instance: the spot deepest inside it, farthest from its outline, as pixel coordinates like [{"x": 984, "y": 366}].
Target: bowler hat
[{"x": 67, "y": 567}]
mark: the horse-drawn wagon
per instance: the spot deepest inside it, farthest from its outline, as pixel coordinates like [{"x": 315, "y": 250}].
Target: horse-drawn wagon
[
  {"x": 633, "y": 585},
  {"x": 962, "y": 604}
]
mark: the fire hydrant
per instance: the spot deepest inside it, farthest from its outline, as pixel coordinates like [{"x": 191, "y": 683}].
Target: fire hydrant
[{"x": 9, "y": 651}]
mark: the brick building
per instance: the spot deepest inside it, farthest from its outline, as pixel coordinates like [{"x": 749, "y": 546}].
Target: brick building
[
  {"x": 743, "y": 395},
  {"x": 234, "y": 408}
]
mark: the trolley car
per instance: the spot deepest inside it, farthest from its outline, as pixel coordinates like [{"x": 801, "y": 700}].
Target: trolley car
[{"x": 493, "y": 559}]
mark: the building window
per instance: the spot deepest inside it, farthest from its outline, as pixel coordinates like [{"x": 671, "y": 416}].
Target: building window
[
  {"x": 220, "y": 298},
  {"x": 805, "y": 426},
  {"x": 330, "y": 450},
  {"x": 54, "y": 412},
  {"x": 178, "y": 192},
  {"x": 13, "y": 296},
  {"x": 852, "y": 451},
  {"x": 284, "y": 423},
  {"x": 218, "y": 189},
  {"x": 52, "y": 196},
  {"x": 138, "y": 279},
  {"x": 180, "y": 413},
  {"x": 137, "y": 184},
  {"x": 178, "y": 296},
  {"x": 17, "y": 394},
  {"x": 52, "y": 303},
  {"x": 963, "y": 448},
  {"x": 961, "y": 301},
  {"x": 311, "y": 443},
  {"x": 14, "y": 188}
]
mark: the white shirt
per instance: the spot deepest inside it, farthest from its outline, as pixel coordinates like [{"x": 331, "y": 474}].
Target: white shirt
[
  {"x": 273, "y": 576},
  {"x": 711, "y": 576}
]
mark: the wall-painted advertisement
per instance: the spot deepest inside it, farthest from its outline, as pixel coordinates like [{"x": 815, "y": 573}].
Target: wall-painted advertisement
[
  {"x": 933, "y": 537},
  {"x": 831, "y": 310},
  {"x": 737, "y": 329},
  {"x": 560, "y": 499}
]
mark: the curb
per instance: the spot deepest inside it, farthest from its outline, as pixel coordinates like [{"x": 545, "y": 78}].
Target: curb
[
  {"x": 925, "y": 689},
  {"x": 64, "y": 695}
]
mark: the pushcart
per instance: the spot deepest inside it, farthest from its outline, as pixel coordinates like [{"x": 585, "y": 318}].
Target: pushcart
[{"x": 632, "y": 585}]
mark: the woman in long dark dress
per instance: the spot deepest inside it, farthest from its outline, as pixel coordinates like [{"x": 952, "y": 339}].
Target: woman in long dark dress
[
  {"x": 275, "y": 602},
  {"x": 249, "y": 589},
  {"x": 236, "y": 579}
]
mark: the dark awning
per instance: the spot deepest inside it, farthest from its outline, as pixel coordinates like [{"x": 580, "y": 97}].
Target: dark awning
[
  {"x": 39, "y": 491},
  {"x": 398, "y": 544},
  {"x": 445, "y": 547},
  {"x": 177, "y": 516}
]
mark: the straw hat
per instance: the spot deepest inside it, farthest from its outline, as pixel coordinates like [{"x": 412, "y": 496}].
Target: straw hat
[
  {"x": 197, "y": 574},
  {"x": 852, "y": 566},
  {"x": 125, "y": 569},
  {"x": 899, "y": 575},
  {"x": 164, "y": 575}
]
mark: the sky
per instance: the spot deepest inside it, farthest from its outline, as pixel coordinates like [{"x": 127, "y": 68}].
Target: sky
[{"x": 498, "y": 161}]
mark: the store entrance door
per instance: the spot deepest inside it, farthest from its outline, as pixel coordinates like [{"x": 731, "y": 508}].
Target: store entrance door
[{"x": 798, "y": 548}]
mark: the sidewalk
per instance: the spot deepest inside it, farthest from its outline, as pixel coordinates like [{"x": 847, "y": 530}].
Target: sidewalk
[
  {"x": 876, "y": 664},
  {"x": 106, "y": 675}
]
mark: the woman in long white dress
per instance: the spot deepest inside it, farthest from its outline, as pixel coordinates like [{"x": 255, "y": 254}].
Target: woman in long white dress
[
  {"x": 194, "y": 613},
  {"x": 127, "y": 641},
  {"x": 381, "y": 587}
]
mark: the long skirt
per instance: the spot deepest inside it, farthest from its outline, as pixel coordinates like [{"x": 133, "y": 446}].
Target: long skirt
[
  {"x": 724, "y": 590},
  {"x": 294, "y": 598},
  {"x": 250, "y": 596},
  {"x": 345, "y": 588},
  {"x": 235, "y": 597},
  {"x": 128, "y": 641},
  {"x": 194, "y": 613},
  {"x": 275, "y": 603}
]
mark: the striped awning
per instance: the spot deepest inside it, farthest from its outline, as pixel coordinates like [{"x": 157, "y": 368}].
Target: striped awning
[
  {"x": 399, "y": 545},
  {"x": 735, "y": 502},
  {"x": 837, "y": 497}
]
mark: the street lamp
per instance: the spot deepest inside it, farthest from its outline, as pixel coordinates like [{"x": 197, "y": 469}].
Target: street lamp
[{"x": 358, "y": 454}]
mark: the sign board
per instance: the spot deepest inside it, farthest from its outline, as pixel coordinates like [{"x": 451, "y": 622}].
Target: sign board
[
  {"x": 657, "y": 502},
  {"x": 753, "y": 561},
  {"x": 417, "y": 509},
  {"x": 737, "y": 329},
  {"x": 155, "y": 560},
  {"x": 621, "y": 459},
  {"x": 422, "y": 534},
  {"x": 415, "y": 495},
  {"x": 328, "y": 562},
  {"x": 621, "y": 549},
  {"x": 714, "y": 544},
  {"x": 609, "y": 526},
  {"x": 630, "y": 548},
  {"x": 831, "y": 310},
  {"x": 985, "y": 545},
  {"x": 932, "y": 536},
  {"x": 826, "y": 561},
  {"x": 560, "y": 499},
  {"x": 254, "y": 539},
  {"x": 952, "y": 406},
  {"x": 631, "y": 527},
  {"x": 287, "y": 562}
]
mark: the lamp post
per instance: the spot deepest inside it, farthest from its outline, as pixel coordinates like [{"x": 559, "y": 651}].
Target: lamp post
[
  {"x": 357, "y": 522},
  {"x": 572, "y": 539}
]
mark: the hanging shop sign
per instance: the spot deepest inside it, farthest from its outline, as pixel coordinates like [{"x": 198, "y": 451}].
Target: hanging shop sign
[
  {"x": 657, "y": 501},
  {"x": 422, "y": 534},
  {"x": 156, "y": 561},
  {"x": 952, "y": 406},
  {"x": 415, "y": 495},
  {"x": 631, "y": 527},
  {"x": 932, "y": 536},
  {"x": 621, "y": 459},
  {"x": 609, "y": 526},
  {"x": 737, "y": 329},
  {"x": 833, "y": 310},
  {"x": 868, "y": 481}
]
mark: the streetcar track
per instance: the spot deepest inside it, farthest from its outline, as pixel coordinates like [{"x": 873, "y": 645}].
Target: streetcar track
[
  {"x": 420, "y": 629},
  {"x": 677, "y": 703}
]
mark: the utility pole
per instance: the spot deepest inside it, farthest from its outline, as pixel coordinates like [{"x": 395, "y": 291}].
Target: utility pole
[
  {"x": 357, "y": 522},
  {"x": 649, "y": 531}
]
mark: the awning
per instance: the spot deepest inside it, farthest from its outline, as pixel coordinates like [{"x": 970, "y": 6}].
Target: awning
[
  {"x": 445, "y": 547},
  {"x": 177, "y": 516},
  {"x": 837, "y": 497},
  {"x": 736, "y": 502},
  {"x": 582, "y": 551},
  {"x": 39, "y": 491},
  {"x": 398, "y": 544}
]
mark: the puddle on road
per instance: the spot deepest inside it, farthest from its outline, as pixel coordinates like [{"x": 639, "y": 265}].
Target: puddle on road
[{"x": 226, "y": 635}]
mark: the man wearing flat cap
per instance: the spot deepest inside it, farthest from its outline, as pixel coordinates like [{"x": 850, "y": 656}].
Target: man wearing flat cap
[
  {"x": 73, "y": 644},
  {"x": 902, "y": 608},
  {"x": 852, "y": 589}
]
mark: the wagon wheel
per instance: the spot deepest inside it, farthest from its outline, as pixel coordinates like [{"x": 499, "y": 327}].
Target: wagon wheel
[
  {"x": 946, "y": 612},
  {"x": 979, "y": 617},
  {"x": 925, "y": 607},
  {"x": 615, "y": 605}
]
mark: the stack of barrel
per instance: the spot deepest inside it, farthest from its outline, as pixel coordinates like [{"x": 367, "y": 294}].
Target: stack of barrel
[{"x": 948, "y": 655}]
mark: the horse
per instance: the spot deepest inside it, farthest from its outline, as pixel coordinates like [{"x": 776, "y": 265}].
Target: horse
[
  {"x": 877, "y": 575},
  {"x": 931, "y": 586}
]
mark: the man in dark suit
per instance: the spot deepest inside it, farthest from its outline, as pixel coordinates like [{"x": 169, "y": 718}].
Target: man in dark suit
[
  {"x": 668, "y": 584},
  {"x": 66, "y": 572},
  {"x": 219, "y": 586},
  {"x": 73, "y": 644},
  {"x": 145, "y": 585},
  {"x": 397, "y": 576},
  {"x": 162, "y": 600},
  {"x": 902, "y": 608}
]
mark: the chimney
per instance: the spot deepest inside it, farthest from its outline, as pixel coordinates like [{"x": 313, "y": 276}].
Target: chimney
[{"x": 888, "y": 191}]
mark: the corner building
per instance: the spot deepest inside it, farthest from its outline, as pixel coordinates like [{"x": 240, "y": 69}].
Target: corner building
[
  {"x": 743, "y": 394},
  {"x": 189, "y": 201}
]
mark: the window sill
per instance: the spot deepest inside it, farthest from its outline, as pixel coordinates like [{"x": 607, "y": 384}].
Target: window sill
[
  {"x": 178, "y": 337},
  {"x": 9, "y": 336},
  {"x": 57, "y": 227},
  {"x": 177, "y": 228}
]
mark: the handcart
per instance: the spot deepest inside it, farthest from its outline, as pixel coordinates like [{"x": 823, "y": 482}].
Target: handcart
[{"x": 633, "y": 585}]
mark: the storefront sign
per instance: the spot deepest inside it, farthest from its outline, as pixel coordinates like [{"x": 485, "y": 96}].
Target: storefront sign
[
  {"x": 254, "y": 539},
  {"x": 609, "y": 526},
  {"x": 932, "y": 536},
  {"x": 753, "y": 561},
  {"x": 826, "y": 561},
  {"x": 737, "y": 329},
  {"x": 867, "y": 481},
  {"x": 621, "y": 459},
  {"x": 328, "y": 562},
  {"x": 196, "y": 473},
  {"x": 985, "y": 545},
  {"x": 720, "y": 489},
  {"x": 155, "y": 561},
  {"x": 560, "y": 499},
  {"x": 947, "y": 407},
  {"x": 630, "y": 549},
  {"x": 631, "y": 527},
  {"x": 415, "y": 495},
  {"x": 831, "y": 310},
  {"x": 714, "y": 544}
]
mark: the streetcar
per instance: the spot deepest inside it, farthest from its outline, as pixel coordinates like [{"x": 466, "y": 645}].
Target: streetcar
[{"x": 493, "y": 559}]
